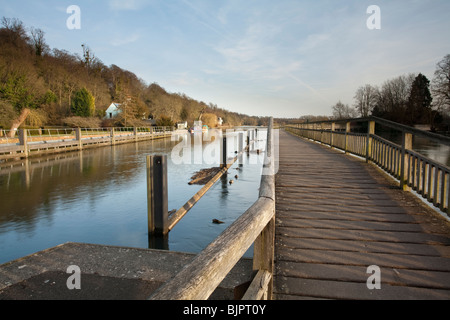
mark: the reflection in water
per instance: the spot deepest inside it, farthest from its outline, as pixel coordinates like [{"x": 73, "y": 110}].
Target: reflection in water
[
  {"x": 424, "y": 146},
  {"x": 99, "y": 196}
]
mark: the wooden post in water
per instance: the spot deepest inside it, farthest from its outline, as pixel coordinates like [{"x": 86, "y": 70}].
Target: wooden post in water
[
  {"x": 23, "y": 140},
  {"x": 78, "y": 138},
  {"x": 370, "y": 131},
  {"x": 157, "y": 204},
  {"x": 113, "y": 142},
  {"x": 223, "y": 152},
  {"x": 241, "y": 147},
  {"x": 406, "y": 145}
]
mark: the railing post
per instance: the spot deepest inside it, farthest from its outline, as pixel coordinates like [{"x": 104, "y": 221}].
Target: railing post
[
  {"x": 78, "y": 138},
  {"x": 347, "y": 130},
  {"x": 23, "y": 140},
  {"x": 321, "y": 134},
  {"x": 333, "y": 128},
  {"x": 263, "y": 253},
  {"x": 406, "y": 145},
  {"x": 157, "y": 204},
  {"x": 370, "y": 132},
  {"x": 135, "y": 133}
]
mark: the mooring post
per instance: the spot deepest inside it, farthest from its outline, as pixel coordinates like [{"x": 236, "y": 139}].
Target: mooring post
[
  {"x": 241, "y": 146},
  {"x": 113, "y": 141},
  {"x": 23, "y": 140},
  {"x": 404, "y": 170},
  {"x": 78, "y": 138},
  {"x": 157, "y": 204},
  {"x": 223, "y": 152}
]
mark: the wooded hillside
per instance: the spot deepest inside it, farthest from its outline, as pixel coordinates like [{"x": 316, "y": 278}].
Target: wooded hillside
[{"x": 61, "y": 88}]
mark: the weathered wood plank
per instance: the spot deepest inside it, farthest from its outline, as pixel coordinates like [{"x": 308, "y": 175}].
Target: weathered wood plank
[
  {"x": 402, "y": 261},
  {"x": 285, "y": 211},
  {"x": 368, "y": 235},
  {"x": 365, "y": 246},
  {"x": 258, "y": 287},
  {"x": 391, "y": 276},
  {"x": 351, "y": 225},
  {"x": 353, "y": 290}
]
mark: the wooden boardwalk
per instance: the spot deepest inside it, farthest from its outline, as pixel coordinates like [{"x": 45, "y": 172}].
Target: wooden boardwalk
[{"x": 336, "y": 215}]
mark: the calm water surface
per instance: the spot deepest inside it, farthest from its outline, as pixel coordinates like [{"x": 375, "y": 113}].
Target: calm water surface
[{"x": 100, "y": 196}]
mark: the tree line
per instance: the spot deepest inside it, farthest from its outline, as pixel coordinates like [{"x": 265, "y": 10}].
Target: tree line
[
  {"x": 408, "y": 99},
  {"x": 58, "y": 88}
]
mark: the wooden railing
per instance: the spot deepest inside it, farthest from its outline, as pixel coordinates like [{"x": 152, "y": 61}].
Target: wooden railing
[
  {"x": 427, "y": 177},
  {"x": 31, "y": 142},
  {"x": 199, "y": 279}
]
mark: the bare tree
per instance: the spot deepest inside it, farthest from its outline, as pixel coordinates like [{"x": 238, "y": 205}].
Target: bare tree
[
  {"x": 15, "y": 28},
  {"x": 441, "y": 85},
  {"x": 366, "y": 99},
  {"x": 40, "y": 47},
  {"x": 343, "y": 111},
  {"x": 393, "y": 98}
]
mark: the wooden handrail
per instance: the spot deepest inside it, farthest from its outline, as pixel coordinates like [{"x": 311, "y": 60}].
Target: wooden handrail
[
  {"x": 199, "y": 279},
  {"x": 387, "y": 123}
]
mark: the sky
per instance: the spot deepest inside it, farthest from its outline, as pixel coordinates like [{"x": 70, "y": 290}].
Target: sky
[{"x": 284, "y": 58}]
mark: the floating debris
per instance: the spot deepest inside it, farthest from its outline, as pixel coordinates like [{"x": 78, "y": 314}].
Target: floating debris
[
  {"x": 203, "y": 176},
  {"x": 231, "y": 181},
  {"x": 215, "y": 221}
]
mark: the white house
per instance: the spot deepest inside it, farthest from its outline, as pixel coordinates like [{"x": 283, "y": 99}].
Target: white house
[{"x": 113, "y": 110}]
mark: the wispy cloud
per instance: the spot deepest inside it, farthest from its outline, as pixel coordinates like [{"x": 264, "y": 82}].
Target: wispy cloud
[
  {"x": 128, "y": 5},
  {"x": 124, "y": 40}
]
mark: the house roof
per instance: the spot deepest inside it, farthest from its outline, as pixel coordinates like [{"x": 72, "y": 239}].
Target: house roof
[{"x": 114, "y": 105}]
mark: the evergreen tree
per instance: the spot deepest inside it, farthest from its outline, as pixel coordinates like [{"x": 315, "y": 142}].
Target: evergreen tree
[
  {"x": 418, "y": 109},
  {"x": 83, "y": 103}
]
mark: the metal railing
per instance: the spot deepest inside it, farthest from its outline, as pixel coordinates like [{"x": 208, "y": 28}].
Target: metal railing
[
  {"x": 28, "y": 142},
  {"x": 413, "y": 170}
]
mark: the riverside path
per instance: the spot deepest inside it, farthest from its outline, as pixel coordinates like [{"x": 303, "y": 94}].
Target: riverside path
[{"x": 345, "y": 230}]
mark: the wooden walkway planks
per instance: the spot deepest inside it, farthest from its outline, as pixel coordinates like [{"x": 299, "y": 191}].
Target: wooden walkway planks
[{"x": 337, "y": 215}]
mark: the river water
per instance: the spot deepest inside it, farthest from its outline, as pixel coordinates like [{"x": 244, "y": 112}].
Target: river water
[
  {"x": 428, "y": 148},
  {"x": 100, "y": 196}
]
